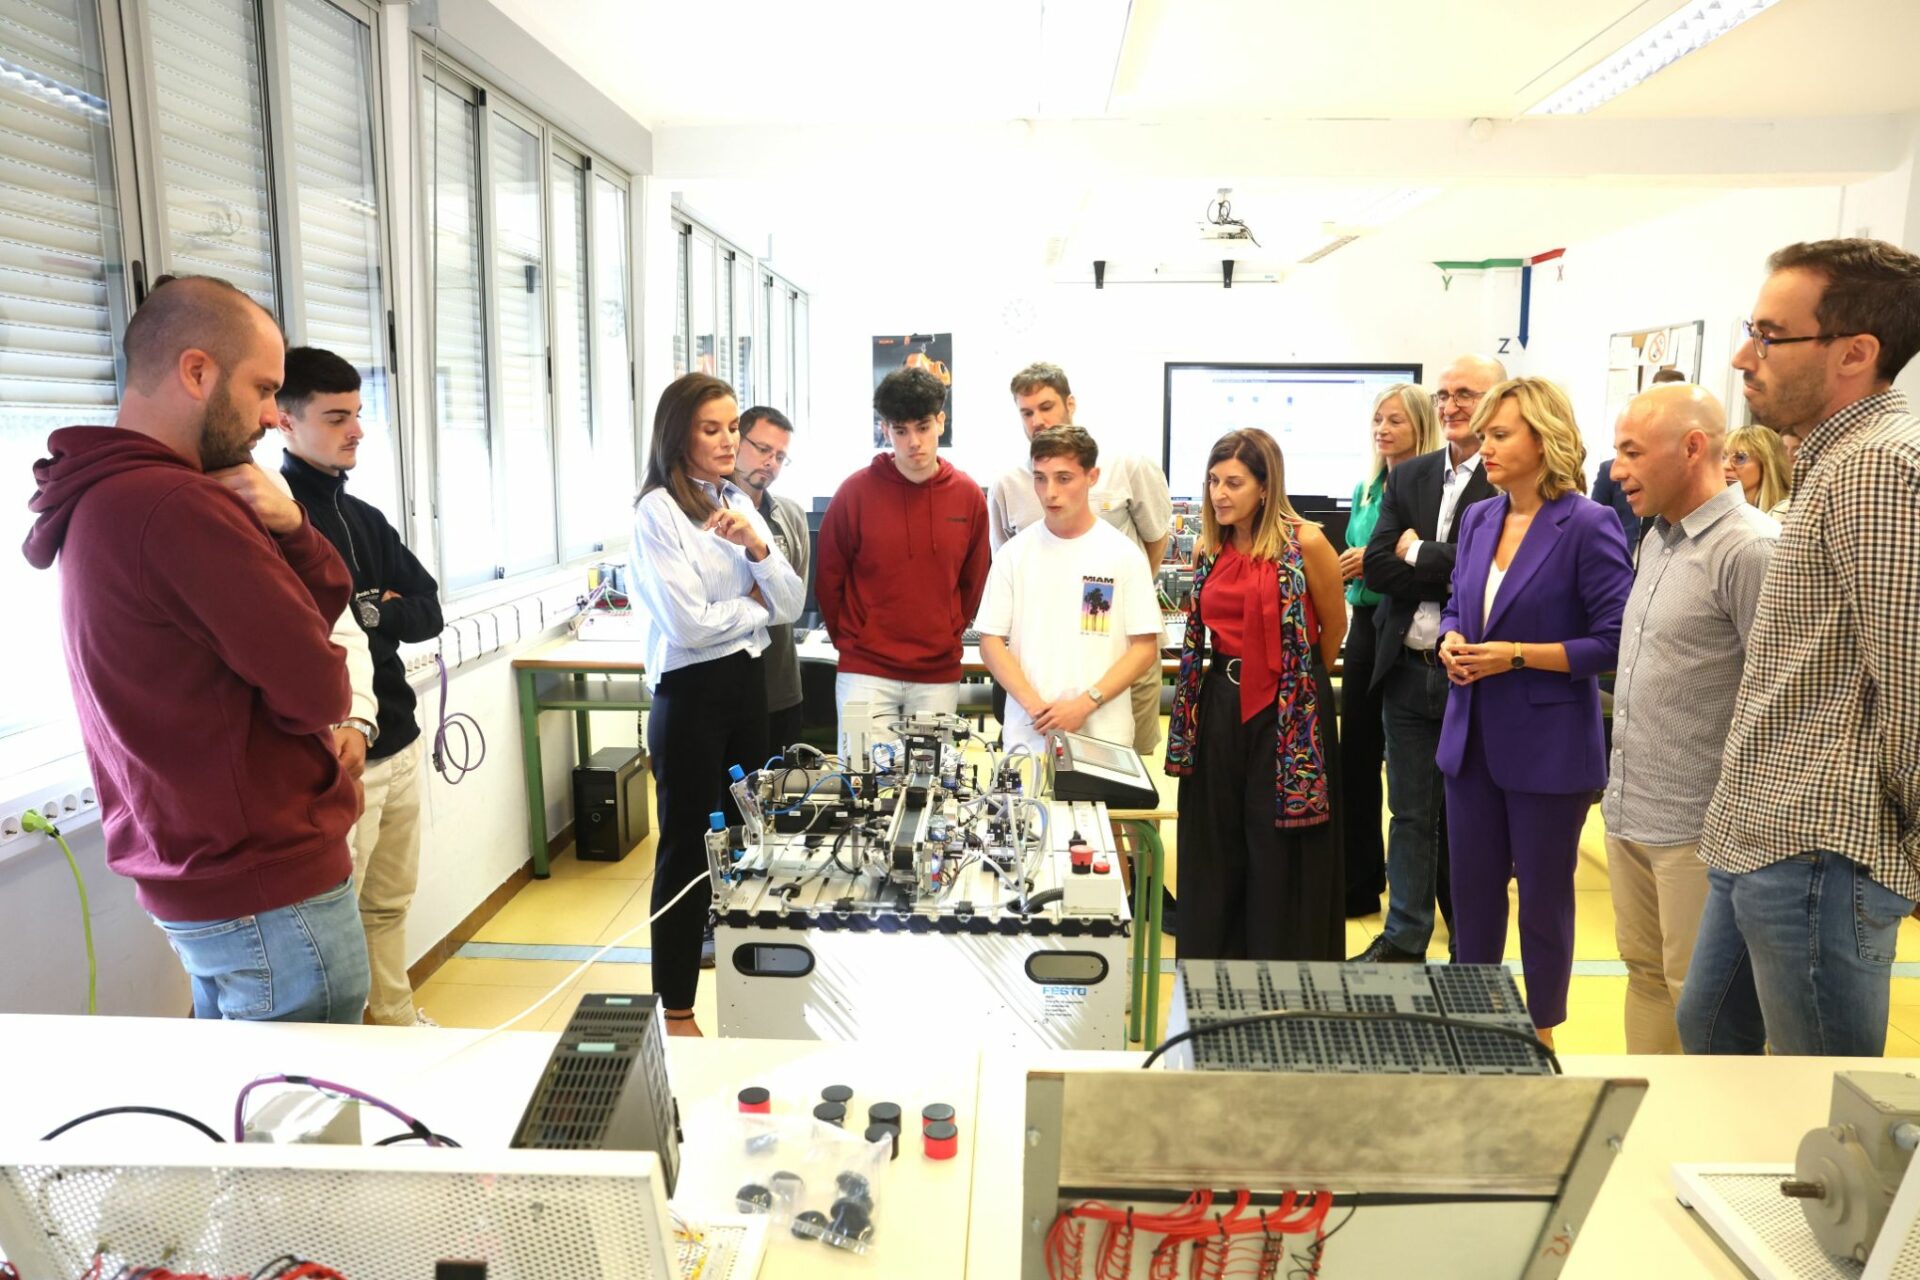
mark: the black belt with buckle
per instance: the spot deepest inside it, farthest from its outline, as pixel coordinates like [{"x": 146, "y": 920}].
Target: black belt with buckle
[
  {"x": 1228, "y": 667},
  {"x": 1430, "y": 657}
]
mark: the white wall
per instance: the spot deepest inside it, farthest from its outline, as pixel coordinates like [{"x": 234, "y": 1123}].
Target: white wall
[
  {"x": 1112, "y": 342},
  {"x": 1375, "y": 301},
  {"x": 1701, "y": 263},
  {"x": 40, "y": 934}
]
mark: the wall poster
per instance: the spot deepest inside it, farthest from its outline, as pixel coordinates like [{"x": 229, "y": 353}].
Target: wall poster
[{"x": 930, "y": 351}]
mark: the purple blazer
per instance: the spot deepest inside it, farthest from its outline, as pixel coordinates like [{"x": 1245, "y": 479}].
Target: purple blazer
[{"x": 1568, "y": 583}]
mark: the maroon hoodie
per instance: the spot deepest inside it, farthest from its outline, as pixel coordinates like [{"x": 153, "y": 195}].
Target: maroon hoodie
[
  {"x": 197, "y": 644},
  {"x": 900, "y": 571}
]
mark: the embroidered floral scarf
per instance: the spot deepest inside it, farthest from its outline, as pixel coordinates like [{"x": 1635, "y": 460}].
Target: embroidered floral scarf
[{"x": 1300, "y": 787}]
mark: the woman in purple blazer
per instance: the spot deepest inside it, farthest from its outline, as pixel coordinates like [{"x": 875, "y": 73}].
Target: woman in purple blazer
[{"x": 1539, "y": 584}]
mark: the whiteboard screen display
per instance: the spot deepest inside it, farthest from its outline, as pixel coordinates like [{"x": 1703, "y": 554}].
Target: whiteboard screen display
[{"x": 1320, "y": 415}]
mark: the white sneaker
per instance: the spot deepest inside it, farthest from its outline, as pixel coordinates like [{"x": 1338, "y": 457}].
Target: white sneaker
[{"x": 420, "y": 1019}]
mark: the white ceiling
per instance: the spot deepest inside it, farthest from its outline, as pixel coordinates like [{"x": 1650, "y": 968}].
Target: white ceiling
[
  {"x": 933, "y": 140},
  {"x": 1800, "y": 58},
  {"x": 775, "y": 61}
]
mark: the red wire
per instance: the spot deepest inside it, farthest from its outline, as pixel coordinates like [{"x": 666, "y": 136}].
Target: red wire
[{"x": 1212, "y": 1232}]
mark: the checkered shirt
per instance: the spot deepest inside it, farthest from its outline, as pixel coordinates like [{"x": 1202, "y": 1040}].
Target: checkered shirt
[{"x": 1824, "y": 750}]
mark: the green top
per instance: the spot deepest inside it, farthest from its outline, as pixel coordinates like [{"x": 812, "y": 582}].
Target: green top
[{"x": 1366, "y": 514}]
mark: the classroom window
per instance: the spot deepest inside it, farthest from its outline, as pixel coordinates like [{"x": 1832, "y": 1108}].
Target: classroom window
[
  {"x": 338, "y": 212},
  {"x": 534, "y": 429},
  {"x": 62, "y": 301},
  {"x": 580, "y": 523},
  {"x": 202, "y": 58},
  {"x": 613, "y": 383}
]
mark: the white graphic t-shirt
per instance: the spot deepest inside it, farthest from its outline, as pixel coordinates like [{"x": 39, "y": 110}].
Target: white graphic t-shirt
[{"x": 1067, "y": 608}]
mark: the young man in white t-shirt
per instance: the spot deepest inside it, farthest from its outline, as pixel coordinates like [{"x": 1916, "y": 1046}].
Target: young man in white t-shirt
[
  {"x": 1070, "y": 619},
  {"x": 1130, "y": 495}
]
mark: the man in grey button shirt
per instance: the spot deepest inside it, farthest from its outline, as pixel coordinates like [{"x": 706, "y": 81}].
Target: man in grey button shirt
[{"x": 1682, "y": 645}]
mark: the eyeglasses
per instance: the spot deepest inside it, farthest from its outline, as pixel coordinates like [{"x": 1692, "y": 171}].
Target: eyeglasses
[
  {"x": 1739, "y": 459},
  {"x": 1462, "y": 398},
  {"x": 768, "y": 451},
  {"x": 1762, "y": 342}
]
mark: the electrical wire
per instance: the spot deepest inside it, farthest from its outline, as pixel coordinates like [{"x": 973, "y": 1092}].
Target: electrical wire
[
  {"x": 1353, "y": 1015},
  {"x": 433, "y": 1139},
  {"x": 34, "y": 820},
  {"x": 420, "y": 1130},
  {"x": 582, "y": 967},
  {"x": 450, "y": 760},
  {"x": 1213, "y": 1233},
  {"x": 1220, "y": 214},
  {"x": 166, "y": 1112}
]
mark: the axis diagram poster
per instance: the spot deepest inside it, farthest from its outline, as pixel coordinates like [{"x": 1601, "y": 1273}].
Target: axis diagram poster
[{"x": 930, "y": 351}]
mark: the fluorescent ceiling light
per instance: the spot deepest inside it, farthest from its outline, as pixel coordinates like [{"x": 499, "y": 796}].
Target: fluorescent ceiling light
[
  {"x": 1080, "y": 43},
  {"x": 1690, "y": 27}
]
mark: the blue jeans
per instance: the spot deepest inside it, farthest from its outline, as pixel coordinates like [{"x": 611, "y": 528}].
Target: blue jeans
[
  {"x": 1796, "y": 956},
  {"x": 1414, "y": 701},
  {"x": 303, "y": 963}
]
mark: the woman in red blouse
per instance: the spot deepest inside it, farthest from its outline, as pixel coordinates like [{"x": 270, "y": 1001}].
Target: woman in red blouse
[{"x": 1252, "y": 735}]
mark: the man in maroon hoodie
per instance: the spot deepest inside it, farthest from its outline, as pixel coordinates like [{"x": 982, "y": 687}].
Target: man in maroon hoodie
[
  {"x": 902, "y": 562},
  {"x": 195, "y": 608}
]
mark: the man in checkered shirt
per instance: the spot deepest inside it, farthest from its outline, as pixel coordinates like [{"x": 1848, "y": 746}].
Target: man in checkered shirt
[{"x": 1812, "y": 839}]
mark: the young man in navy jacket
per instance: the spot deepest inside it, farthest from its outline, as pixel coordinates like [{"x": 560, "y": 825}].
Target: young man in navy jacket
[{"x": 397, "y": 601}]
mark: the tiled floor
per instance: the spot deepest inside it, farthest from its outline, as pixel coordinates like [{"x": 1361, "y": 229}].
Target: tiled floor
[{"x": 597, "y": 903}]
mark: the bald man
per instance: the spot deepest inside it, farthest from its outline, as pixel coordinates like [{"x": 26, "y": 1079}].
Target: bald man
[
  {"x": 195, "y": 607},
  {"x": 1682, "y": 643},
  {"x": 1409, "y": 561}
]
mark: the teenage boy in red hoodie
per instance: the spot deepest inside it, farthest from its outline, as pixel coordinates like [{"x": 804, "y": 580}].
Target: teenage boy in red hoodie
[
  {"x": 195, "y": 606},
  {"x": 902, "y": 562}
]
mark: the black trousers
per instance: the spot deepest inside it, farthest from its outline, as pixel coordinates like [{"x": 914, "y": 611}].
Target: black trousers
[
  {"x": 705, "y": 718},
  {"x": 1250, "y": 890},
  {"x": 783, "y": 730},
  {"x": 1363, "y": 750}
]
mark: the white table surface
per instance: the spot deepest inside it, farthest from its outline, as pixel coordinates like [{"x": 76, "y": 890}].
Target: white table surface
[
  {"x": 965, "y": 1212},
  {"x": 55, "y": 1068}
]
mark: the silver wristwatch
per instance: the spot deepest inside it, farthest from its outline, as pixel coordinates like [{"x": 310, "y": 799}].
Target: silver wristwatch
[
  {"x": 368, "y": 730},
  {"x": 1093, "y": 691}
]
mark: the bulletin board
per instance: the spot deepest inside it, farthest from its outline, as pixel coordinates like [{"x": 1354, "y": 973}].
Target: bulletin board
[{"x": 1635, "y": 356}]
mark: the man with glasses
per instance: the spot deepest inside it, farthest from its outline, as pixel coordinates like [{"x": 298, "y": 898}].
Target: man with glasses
[
  {"x": 1812, "y": 839},
  {"x": 765, "y": 435},
  {"x": 1409, "y": 561}
]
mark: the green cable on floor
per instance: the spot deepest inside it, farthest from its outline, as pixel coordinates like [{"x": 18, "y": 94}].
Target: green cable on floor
[{"x": 32, "y": 821}]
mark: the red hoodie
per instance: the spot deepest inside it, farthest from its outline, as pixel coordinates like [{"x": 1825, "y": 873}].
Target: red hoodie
[
  {"x": 900, "y": 571},
  {"x": 197, "y": 644}
]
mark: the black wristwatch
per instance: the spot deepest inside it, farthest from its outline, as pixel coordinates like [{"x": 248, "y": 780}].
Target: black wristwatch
[{"x": 1519, "y": 658}]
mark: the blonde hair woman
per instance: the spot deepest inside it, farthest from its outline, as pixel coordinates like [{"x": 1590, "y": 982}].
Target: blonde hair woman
[
  {"x": 1757, "y": 461},
  {"x": 1404, "y": 426},
  {"x": 1252, "y": 741},
  {"x": 1539, "y": 584}
]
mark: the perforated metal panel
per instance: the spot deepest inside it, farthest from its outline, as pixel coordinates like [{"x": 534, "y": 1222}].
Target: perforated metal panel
[
  {"x": 366, "y": 1212},
  {"x": 1218, "y": 990},
  {"x": 731, "y": 1250},
  {"x": 1754, "y": 1202}
]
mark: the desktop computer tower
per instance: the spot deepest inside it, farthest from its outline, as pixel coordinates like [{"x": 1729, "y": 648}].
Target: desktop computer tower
[{"x": 610, "y": 804}]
